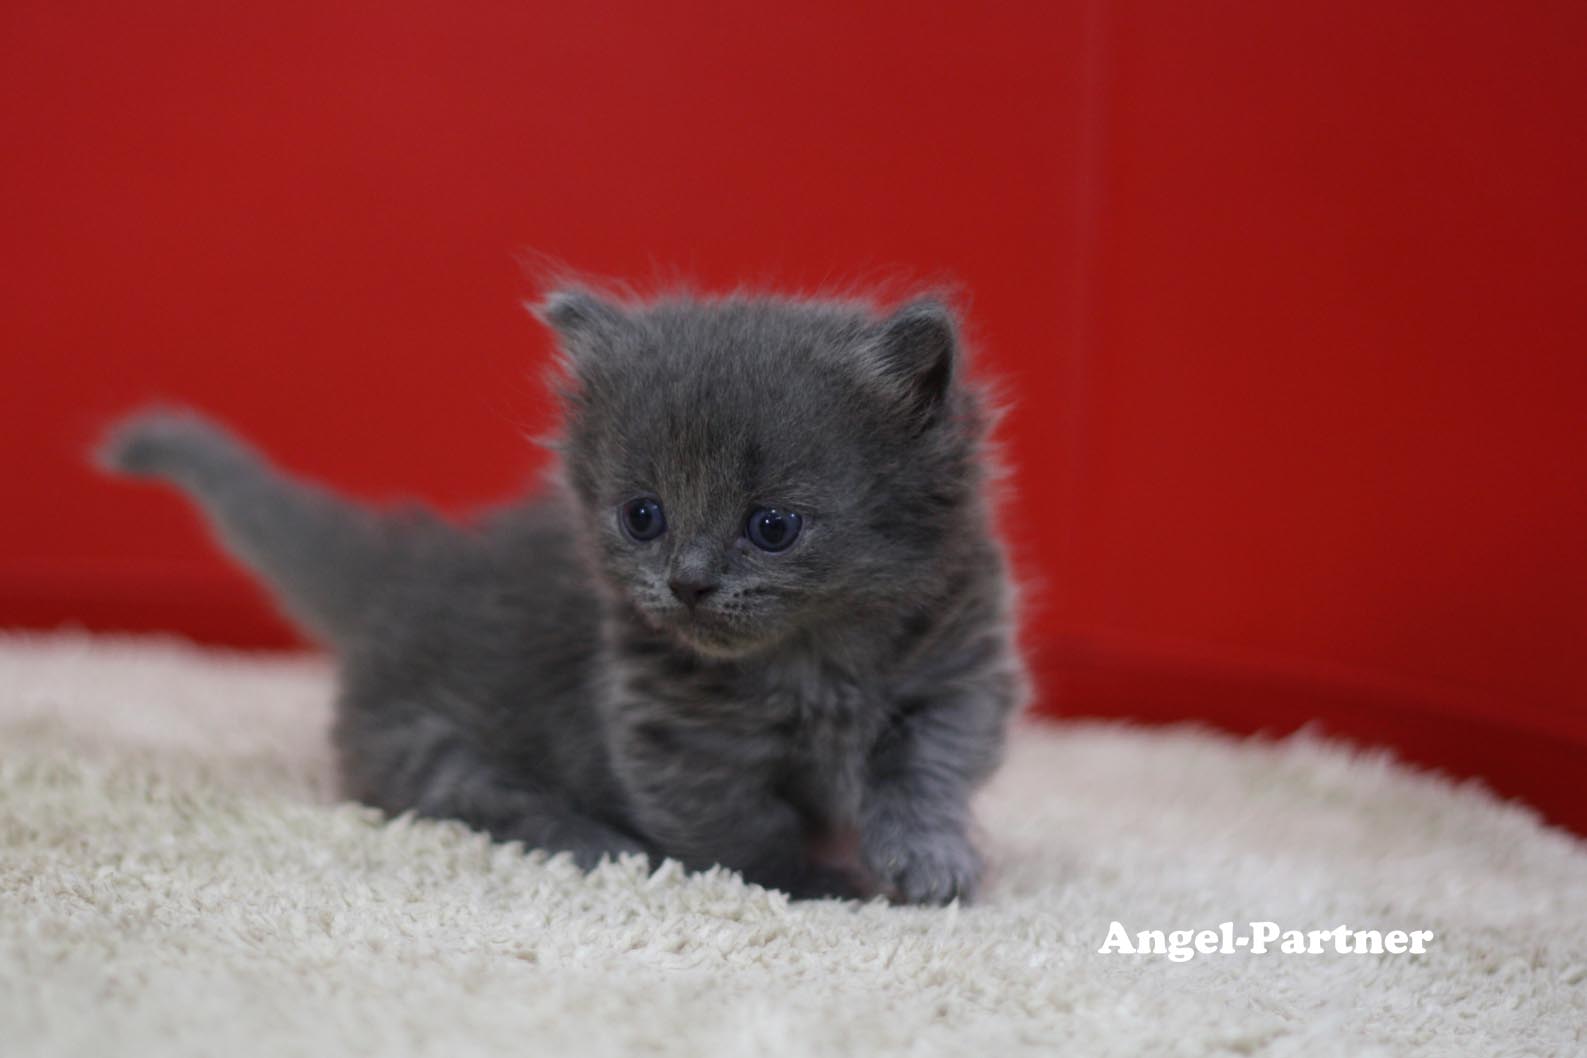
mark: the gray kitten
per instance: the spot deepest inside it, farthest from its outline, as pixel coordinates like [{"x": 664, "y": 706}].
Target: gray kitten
[{"x": 760, "y": 621}]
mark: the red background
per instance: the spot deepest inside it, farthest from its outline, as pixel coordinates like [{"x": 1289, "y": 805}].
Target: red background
[{"x": 1293, "y": 298}]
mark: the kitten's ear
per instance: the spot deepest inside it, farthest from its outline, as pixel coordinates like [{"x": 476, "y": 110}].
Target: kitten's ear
[
  {"x": 585, "y": 322},
  {"x": 916, "y": 352}
]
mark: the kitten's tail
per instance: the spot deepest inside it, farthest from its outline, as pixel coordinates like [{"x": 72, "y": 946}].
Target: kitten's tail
[{"x": 324, "y": 557}]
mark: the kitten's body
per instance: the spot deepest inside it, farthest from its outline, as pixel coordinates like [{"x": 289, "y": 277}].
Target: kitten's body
[{"x": 816, "y": 718}]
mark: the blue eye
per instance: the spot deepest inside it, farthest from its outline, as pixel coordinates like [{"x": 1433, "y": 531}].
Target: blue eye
[
  {"x": 642, "y": 519},
  {"x": 771, "y": 529}
]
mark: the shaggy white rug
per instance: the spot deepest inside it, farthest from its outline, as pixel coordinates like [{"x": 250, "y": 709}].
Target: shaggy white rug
[{"x": 175, "y": 878}]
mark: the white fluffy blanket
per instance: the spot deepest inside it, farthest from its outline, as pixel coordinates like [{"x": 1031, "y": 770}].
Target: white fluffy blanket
[{"x": 176, "y": 878}]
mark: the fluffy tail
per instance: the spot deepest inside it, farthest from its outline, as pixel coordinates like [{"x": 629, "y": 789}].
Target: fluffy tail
[{"x": 324, "y": 557}]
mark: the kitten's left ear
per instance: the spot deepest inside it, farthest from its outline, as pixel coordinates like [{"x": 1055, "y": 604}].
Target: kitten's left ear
[
  {"x": 584, "y": 321},
  {"x": 917, "y": 351}
]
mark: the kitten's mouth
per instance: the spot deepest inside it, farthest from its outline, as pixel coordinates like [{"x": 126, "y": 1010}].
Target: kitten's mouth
[{"x": 712, "y": 635}]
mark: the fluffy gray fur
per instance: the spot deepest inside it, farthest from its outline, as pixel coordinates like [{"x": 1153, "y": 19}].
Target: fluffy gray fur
[{"x": 817, "y": 720}]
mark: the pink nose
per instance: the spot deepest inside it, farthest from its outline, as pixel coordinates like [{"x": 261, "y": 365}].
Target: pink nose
[{"x": 690, "y": 590}]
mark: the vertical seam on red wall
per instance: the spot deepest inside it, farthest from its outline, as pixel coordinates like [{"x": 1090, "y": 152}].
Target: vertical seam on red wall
[{"x": 1090, "y": 198}]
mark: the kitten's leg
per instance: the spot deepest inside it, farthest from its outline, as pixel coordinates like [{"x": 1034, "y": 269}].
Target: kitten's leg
[
  {"x": 704, "y": 799},
  {"x": 914, "y": 831},
  {"x": 423, "y": 765},
  {"x": 538, "y": 820},
  {"x": 323, "y": 555}
]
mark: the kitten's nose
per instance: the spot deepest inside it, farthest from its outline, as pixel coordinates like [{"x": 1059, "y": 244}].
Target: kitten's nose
[{"x": 691, "y": 589}]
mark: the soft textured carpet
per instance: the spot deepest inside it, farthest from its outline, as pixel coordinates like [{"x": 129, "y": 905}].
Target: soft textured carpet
[{"x": 175, "y": 878}]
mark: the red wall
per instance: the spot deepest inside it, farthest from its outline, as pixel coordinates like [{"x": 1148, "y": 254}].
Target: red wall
[{"x": 1293, "y": 298}]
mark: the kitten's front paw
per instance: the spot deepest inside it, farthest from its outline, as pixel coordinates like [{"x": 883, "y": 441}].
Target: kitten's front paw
[{"x": 924, "y": 867}]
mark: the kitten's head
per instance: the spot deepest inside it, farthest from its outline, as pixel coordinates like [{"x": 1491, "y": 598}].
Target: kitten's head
[{"x": 751, "y": 467}]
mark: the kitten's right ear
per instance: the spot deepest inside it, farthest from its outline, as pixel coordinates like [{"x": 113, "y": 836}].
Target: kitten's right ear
[
  {"x": 915, "y": 354},
  {"x": 583, "y": 321}
]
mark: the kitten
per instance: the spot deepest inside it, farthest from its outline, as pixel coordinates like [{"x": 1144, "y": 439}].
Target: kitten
[{"x": 761, "y": 620}]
